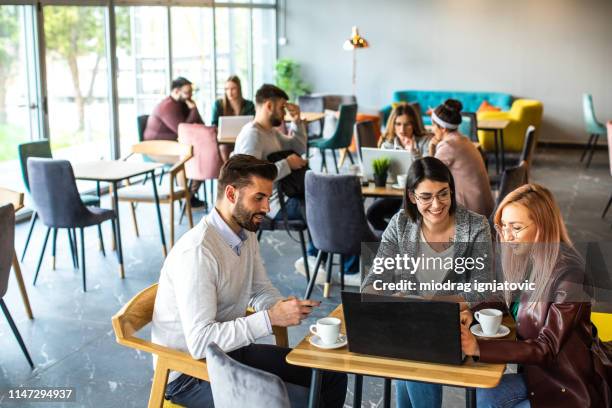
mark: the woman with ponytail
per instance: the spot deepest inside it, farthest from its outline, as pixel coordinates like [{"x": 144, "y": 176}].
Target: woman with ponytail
[
  {"x": 462, "y": 158},
  {"x": 561, "y": 361}
]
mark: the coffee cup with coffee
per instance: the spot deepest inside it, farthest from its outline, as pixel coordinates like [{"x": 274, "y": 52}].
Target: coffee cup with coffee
[
  {"x": 490, "y": 320},
  {"x": 328, "y": 330}
]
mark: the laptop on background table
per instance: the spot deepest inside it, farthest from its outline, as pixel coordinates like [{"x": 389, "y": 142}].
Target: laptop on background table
[
  {"x": 401, "y": 161},
  {"x": 230, "y": 127},
  {"x": 395, "y": 327}
]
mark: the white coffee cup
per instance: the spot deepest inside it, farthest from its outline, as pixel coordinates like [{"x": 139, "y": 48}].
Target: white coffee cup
[
  {"x": 401, "y": 180},
  {"x": 490, "y": 320},
  {"x": 328, "y": 329}
]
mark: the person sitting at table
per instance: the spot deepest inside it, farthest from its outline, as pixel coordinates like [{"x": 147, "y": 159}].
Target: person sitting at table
[
  {"x": 213, "y": 274},
  {"x": 431, "y": 225},
  {"x": 403, "y": 132},
  {"x": 561, "y": 360},
  {"x": 232, "y": 103},
  {"x": 168, "y": 114},
  {"x": 462, "y": 158}
]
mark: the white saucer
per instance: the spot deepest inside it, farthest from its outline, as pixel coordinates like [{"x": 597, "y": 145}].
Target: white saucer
[
  {"x": 503, "y": 331},
  {"x": 397, "y": 186},
  {"x": 316, "y": 341}
]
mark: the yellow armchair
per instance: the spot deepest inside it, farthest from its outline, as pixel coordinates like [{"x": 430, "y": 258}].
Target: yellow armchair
[
  {"x": 524, "y": 112},
  {"x": 603, "y": 322}
]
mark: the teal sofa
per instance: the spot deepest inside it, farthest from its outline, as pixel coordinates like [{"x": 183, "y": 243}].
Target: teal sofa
[{"x": 430, "y": 99}]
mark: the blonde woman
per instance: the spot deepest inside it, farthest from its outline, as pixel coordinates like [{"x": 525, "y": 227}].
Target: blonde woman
[
  {"x": 232, "y": 103},
  {"x": 562, "y": 362},
  {"x": 403, "y": 132}
]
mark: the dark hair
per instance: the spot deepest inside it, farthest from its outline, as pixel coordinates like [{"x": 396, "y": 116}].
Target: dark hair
[
  {"x": 225, "y": 103},
  {"x": 239, "y": 169},
  {"x": 269, "y": 91},
  {"x": 427, "y": 168},
  {"x": 180, "y": 82},
  {"x": 450, "y": 111}
]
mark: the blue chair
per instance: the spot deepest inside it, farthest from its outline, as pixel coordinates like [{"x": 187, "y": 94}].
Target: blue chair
[
  {"x": 593, "y": 127},
  {"x": 42, "y": 149},
  {"x": 7, "y": 251},
  {"x": 336, "y": 220},
  {"x": 57, "y": 201},
  {"x": 341, "y": 139}
]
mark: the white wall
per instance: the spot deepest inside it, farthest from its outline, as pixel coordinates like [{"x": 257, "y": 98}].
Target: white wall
[{"x": 551, "y": 50}]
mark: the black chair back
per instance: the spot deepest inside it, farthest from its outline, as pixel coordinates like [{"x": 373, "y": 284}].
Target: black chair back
[
  {"x": 7, "y": 244},
  {"x": 312, "y": 104},
  {"x": 335, "y": 214},
  {"x": 366, "y": 135},
  {"x": 40, "y": 148},
  {"x": 141, "y": 123},
  {"x": 55, "y": 194},
  {"x": 528, "y": 145},
  {"x": 512, "y": 178}
]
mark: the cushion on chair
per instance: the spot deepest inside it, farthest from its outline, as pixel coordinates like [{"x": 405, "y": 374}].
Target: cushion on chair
[
  {"x": 237, "y": 385},
  {"x": 485, "y": 106},
  {"x": 145, "y": 191}
]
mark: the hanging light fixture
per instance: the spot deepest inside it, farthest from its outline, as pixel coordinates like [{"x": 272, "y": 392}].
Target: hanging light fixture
[{"x": 352, "y": 44}]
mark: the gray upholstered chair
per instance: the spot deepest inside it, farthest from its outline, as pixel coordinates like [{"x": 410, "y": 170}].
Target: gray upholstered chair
[
  {"x": 7, "y": 251},
  {"x": 336, "y": 220},
  {"x": 42, "y": 149},
  {"x": 237, "y": 385},
  {"x": 57, "y": 200}
]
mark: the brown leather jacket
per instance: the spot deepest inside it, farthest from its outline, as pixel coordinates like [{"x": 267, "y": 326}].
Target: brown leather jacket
[{"x": 563, "y": 361}]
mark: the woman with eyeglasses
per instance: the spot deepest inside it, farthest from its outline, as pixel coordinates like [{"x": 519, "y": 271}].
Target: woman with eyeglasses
[
  {"x": 432, "y": 225},
  {"x": 462, "y": 158},
  {"x": 561, "y": 361},
  {"x": 232, "y": 103},
  {"x": 403, "y": 132}
]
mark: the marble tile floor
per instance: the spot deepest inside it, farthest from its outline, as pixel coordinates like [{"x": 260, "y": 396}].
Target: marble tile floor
[{"x": 71, "y": 339}]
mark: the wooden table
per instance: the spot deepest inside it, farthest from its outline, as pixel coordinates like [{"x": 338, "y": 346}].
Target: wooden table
[
  {"x": 113, "y": 172},
  {"x": 470, "y": 375},
  {"x": 387, "y": 191},
  {"x": 496, "y": 126},
  {"x": 8, "y": 196}
]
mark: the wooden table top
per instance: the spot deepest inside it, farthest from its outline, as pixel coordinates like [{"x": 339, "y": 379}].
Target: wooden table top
[
  {"x": 11, "y": 197},
  {"x": 387, "y": 191},
  {"x": 307, "y": 116},
  {"x": 112, "y": 170},
  {"x": 493, "y": 124},
  {"x": 470, "y": 374}
]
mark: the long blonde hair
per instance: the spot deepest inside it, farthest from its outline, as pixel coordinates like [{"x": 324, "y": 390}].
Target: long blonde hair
[
  {"x": 552, "y": 240},
  {"x": 227, "y": 106},
  {"x": 399, "y": 110}
]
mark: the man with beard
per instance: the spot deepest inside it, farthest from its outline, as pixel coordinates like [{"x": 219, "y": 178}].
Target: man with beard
[
  {"x": 210, "y": 277},
  {"x": 260, "y": 138},
  {"x": 168, "y": 114}
]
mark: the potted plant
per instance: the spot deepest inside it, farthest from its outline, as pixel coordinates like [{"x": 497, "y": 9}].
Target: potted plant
[
  {"x": 289, "y": 78},
  {"x": 381, "y": 168}
]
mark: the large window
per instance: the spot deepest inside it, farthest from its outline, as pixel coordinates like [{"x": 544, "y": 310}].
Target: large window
[
  {"x": 54, "y": 67},
  {"x": 77, "y": 82},
  {"x": 18, "y": 102}
]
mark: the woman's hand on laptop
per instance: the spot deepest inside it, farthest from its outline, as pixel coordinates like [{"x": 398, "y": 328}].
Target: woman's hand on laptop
[
  {"x": 291, "y": 311},
  {"x": 469, "y": 344},
  {"x": 466, "y": 318}
]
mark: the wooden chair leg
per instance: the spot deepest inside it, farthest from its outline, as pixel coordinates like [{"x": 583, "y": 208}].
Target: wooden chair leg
[
  {"x": 158, "y": 388},
  {"x": 171, "y": 223},
  {"x": 343, "y": 153},
  {"x": 21, "y": 284},
  {"x": 189, "y": 214},
  {"x": 134, "y": 220}
]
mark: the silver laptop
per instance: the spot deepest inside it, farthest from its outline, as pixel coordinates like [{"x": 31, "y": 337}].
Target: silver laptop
[
  {"x": 230, "y": 126},
  {"x": 401, "y": 161}
]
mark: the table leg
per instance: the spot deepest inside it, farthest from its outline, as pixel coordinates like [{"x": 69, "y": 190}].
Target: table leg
[
  {"x": 496, "y": 151},
  {"x": 118, "y": 230},
  {"x": 159, "y": 217},
  {"x": 357, "y": 390},
  {"x": 501, "y": 145},
  {"x": 22, "y": 289},
  {"x": 315, "y": 389},
  {"x": 387, "y": 393},
  {"x": 470, "y": 398}
]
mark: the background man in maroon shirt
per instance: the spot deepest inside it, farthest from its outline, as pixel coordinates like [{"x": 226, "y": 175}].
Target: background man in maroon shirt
[{"x": 168, "y": 114}]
